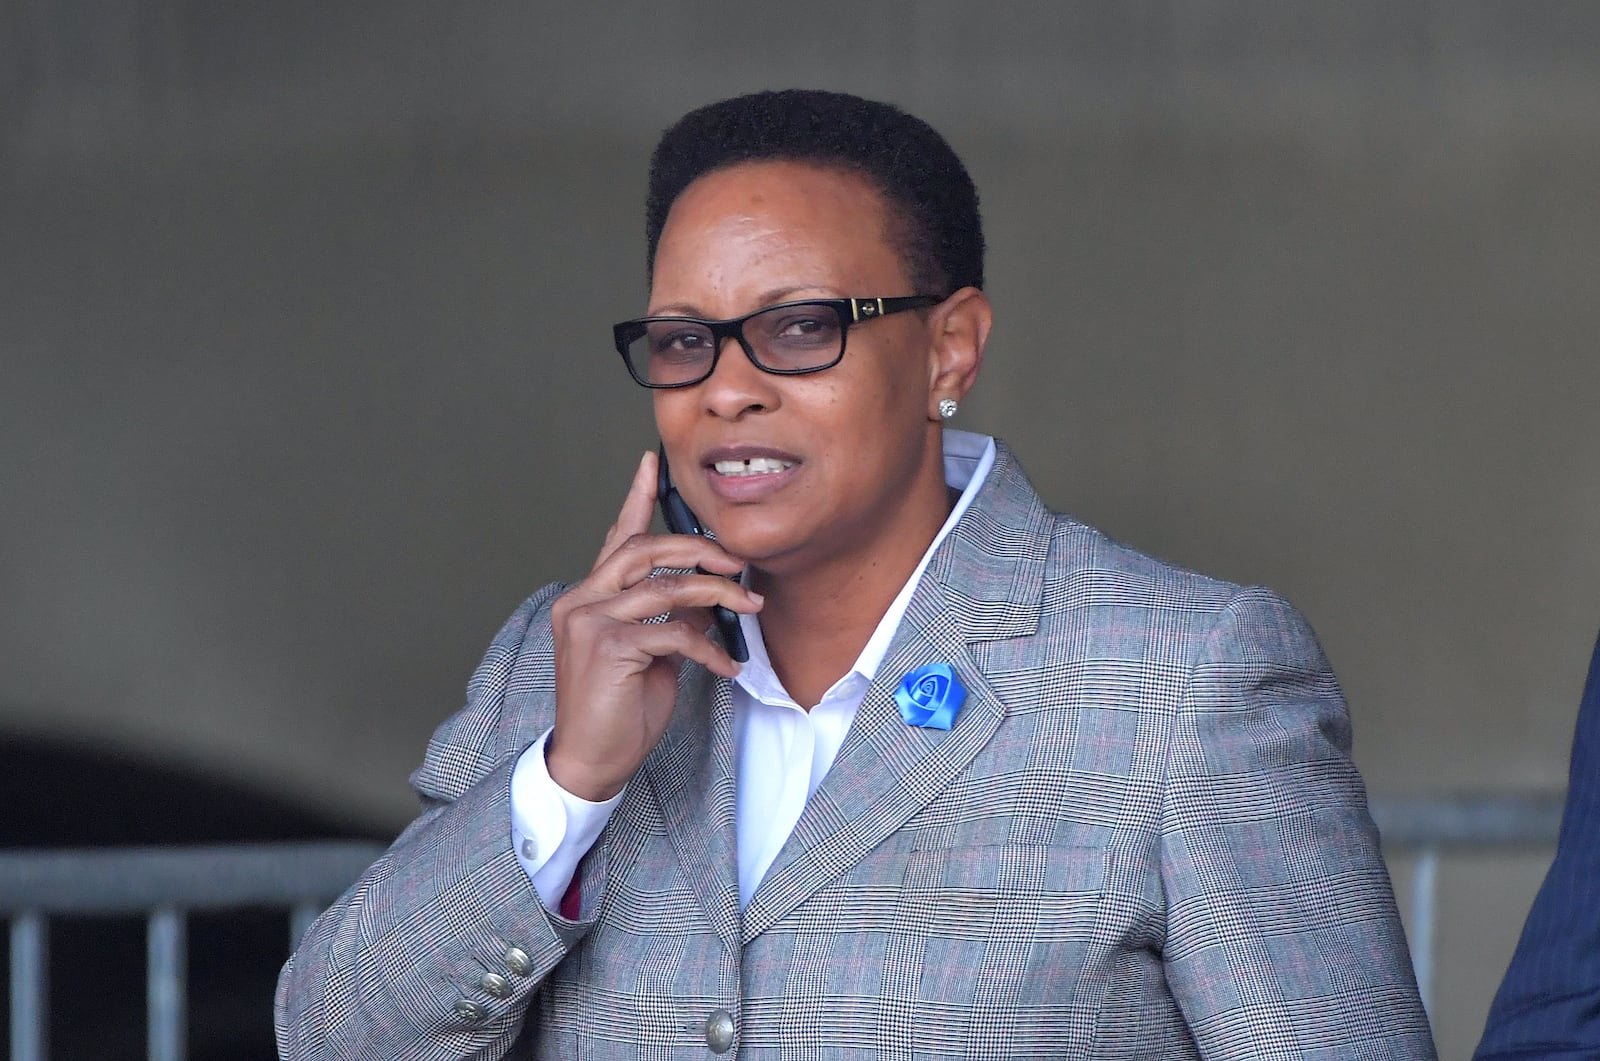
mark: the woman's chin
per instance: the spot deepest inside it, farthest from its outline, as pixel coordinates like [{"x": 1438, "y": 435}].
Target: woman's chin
[{"x": 774, "y": 549}]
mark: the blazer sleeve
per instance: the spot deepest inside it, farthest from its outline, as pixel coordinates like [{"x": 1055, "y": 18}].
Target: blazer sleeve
[
  {"x": 1283, "y": 939},
  {"x": 439, "y": 948},
  {"x": 1548, "y": 1005}
]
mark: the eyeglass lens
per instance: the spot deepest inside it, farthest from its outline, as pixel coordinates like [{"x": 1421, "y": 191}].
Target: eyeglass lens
[{"x": 795, "y": 338}]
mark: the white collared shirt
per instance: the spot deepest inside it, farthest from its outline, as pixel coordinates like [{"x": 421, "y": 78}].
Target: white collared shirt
[{"x": 782, "y": 750}]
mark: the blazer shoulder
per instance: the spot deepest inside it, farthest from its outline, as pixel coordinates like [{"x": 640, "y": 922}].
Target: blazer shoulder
[
  {"x": 510, "y": 702},
  {"x": 1126, "y": 589},
  {"x": 1081, "y": 590},
  {"x": 1082, "y": 557}
]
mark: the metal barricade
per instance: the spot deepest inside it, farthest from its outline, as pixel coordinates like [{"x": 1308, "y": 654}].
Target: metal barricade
[
  {"x": 165, "y": 884},
  {"x": 1425, "y": 827}
]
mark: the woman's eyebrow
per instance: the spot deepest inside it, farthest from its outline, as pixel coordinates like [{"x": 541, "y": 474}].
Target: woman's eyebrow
[{"x": 766, "y": 298}]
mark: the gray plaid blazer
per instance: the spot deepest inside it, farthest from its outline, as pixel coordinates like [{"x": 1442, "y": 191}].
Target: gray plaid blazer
[{"x": 1142, "y": 838}]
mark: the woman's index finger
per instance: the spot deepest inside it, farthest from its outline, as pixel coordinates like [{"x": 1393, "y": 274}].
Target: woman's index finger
[{"x": 637, "y": 508}]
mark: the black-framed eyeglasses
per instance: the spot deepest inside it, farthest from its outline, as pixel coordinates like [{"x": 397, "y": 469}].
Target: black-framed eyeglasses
[{"x": 789, "y": 339}]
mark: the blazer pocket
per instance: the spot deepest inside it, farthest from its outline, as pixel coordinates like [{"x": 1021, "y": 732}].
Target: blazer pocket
[
  {"x": 974, "y": 889},
  {"x": 997, "y": 933}
]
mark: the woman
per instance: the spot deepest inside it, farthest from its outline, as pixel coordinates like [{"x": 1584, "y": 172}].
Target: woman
[{"x": 989, "y": 785}]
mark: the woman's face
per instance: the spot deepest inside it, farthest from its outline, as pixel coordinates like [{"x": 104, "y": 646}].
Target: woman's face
[{"x": 795, "y": 471}]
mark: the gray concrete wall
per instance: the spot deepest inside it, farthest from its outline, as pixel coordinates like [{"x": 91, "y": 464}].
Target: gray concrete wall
[{"x": 307, "y": 379}]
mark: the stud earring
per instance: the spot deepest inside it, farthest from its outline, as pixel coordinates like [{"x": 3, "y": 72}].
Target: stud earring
[{"x": 947, "y": 408}]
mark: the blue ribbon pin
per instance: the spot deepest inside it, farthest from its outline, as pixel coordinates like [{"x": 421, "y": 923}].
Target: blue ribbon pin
[{"x": 930, "y": 696}]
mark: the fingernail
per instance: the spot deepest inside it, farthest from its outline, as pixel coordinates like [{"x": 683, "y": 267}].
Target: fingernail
[{"x": 758, "y": 598}]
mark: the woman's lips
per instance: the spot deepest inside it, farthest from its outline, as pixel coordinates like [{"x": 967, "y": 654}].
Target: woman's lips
[
  {"x": 751, "y": 466},
  {"x": 746, "y": 474}
]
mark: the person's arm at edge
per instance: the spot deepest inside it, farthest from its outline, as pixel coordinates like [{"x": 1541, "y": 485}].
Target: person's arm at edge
[
  {"x": 1548, "y": 1005},
  {"x": 1282, "y": 932}
]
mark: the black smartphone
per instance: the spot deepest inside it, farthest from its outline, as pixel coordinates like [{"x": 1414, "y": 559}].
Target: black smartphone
[{"x": 681, "y": 520}]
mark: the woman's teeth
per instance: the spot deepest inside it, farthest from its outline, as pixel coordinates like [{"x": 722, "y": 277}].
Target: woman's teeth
[{"x": 753, "y": 466}]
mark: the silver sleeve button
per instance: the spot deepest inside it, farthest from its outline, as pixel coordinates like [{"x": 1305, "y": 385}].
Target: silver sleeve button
[
  {"x": 495, "y": 985},
  {"x": 518, "y": 962},
  {"x": 470, "y": 1011}
]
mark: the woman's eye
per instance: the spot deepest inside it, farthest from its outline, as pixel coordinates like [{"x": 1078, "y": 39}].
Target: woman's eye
[
  {"x": 806, "y": 328},
  {"x": 681, "y": 342}
]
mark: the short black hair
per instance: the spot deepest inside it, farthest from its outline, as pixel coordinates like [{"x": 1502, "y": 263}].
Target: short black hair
[{"x": 936, "y": 227}]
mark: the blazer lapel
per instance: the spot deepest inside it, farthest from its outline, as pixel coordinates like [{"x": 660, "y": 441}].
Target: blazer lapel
[
  {"x": 983, "y": 585},
  {"x": 692, "y": 773}
]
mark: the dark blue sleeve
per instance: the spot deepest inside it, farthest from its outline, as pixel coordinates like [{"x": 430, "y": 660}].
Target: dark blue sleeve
[{"x": 1548, "y": 1006}]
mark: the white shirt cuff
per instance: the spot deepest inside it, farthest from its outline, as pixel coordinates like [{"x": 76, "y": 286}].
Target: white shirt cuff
[{"x": 551, "y": 829}]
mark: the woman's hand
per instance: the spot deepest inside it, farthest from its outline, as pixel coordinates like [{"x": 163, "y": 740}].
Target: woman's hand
[{"x": 617, "y": 675}]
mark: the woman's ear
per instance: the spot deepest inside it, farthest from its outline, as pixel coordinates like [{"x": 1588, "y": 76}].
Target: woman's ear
[{"x": 960, "y": 331}]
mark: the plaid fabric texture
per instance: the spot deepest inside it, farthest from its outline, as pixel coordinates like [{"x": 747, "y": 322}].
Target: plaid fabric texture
[
  {"x": 1548, "y": 1005},
  {"x": 1142, "y": 838}
]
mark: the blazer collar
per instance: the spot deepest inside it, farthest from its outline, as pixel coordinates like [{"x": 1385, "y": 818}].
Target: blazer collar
[{"x": 985, "y": 582}]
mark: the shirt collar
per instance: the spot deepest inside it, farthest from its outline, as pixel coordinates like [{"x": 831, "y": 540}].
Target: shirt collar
[{"x": 968, "y": 457}]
